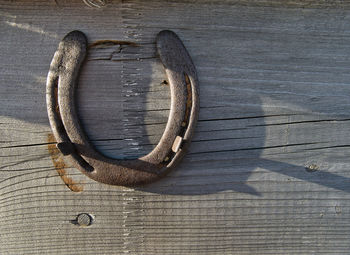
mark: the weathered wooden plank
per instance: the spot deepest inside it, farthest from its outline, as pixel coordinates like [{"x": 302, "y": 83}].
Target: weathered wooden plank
[{"x": 267, "y": 172}]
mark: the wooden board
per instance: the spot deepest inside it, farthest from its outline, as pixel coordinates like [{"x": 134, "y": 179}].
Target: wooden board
[{"x": 267, "y": 172}]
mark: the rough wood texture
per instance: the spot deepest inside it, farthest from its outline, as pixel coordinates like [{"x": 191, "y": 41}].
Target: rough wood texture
[{"x": 267, "y": 172}]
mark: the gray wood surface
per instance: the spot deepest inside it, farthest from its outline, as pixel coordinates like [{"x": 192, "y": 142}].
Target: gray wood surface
[{"x": 267, "y": 172}]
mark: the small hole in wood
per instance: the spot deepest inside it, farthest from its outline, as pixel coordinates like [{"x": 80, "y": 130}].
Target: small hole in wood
[{"x": 165, "y": 82}]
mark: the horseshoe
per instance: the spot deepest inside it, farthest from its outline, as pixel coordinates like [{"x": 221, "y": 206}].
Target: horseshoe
[{"x": 74, "y": 143}]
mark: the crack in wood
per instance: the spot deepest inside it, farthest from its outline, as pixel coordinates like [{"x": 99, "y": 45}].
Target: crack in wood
[
  {"x": 257, "y": 148},
  {"x": 300, "y": 122},
  {"x": 121, "y": 60}
]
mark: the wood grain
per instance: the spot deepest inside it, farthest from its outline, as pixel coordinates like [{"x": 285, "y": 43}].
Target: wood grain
[{"x": 268, "y": 170}]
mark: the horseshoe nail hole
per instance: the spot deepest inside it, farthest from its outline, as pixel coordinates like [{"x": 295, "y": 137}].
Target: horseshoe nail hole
[
  {"x": 165, "y": 83},
  {"x": 84, "y": 220}
]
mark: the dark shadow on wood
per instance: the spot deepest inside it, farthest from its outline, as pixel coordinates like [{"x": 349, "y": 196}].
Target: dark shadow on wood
[{"x": 222, "y": 181}]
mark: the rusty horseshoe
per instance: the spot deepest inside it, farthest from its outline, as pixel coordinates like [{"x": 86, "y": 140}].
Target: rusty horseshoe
[{"x": 74, "y": 143}]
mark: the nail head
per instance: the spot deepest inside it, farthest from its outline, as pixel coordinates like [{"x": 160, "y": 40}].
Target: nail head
[{"x": 84, "y": 219}]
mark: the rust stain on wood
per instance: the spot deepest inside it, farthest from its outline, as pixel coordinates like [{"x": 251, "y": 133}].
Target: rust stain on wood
[{"x": 60, "y": 165}]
